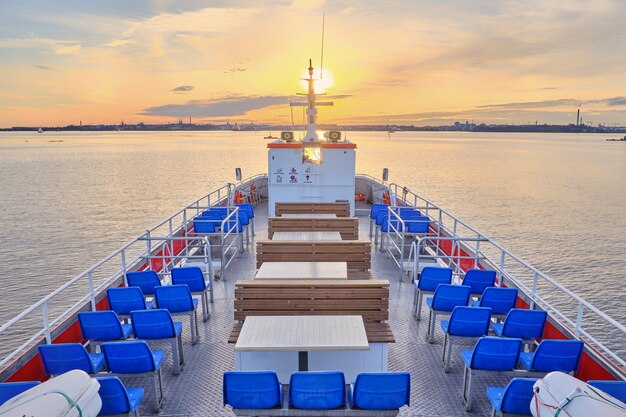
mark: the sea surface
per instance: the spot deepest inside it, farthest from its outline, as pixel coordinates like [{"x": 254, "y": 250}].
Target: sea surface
[{"x": 69, "y": 199}]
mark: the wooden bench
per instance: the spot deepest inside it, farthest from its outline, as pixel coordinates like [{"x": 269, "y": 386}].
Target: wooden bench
[
  {"x": 366, "y": 298},
  {"x": 356, "y": 253},
  {"x": 348, "y": 227},
  {"x": 340, "y": 209}
]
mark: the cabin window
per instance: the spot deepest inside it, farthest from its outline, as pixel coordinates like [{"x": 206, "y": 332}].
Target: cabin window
[{"x": 311, "y": 153}]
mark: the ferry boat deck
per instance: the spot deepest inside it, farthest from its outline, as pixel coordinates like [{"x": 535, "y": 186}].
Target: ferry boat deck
[{"x": 197, "y": 390}]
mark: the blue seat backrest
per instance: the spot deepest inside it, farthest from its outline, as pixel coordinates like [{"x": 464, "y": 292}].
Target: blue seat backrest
[
  {"x": 254, "y": 389},
  {"x": 317, "y": 390},
  {"x": 407, "y": 213},
  {"x": 190, "y": 276},
  {"x": 616, "y": 389},
  {"x": 557, "y": 355},
  {"x": 152, "y": 324},
  {"x": 243, "y": 217},
  {"x": 114, "y": 396},
  {"x": 391, "y": 225},
  {"x": 417, "y": 224},
  {"x": 223, "y": 211},
  {"x": 205, "y": 225},
  {"x": 517, "y": 396},
  {"x": 9, "y": 390},
  {"x": 249, "y": 209},
  {"x": 146, "y": 280},
  {"x": 500, "y": 300},
  {"x": 174, "y": 298},
  {"x": 60, "y": 358},
  {"x": 382, "y": 391},
  {"x": 448, "y": 296},
  {"x": 525, "y": 324},
  {"x": 496, "y": 354},
  {"x": 100, "y": 325},
  {"x": 212, "y": 215},
  {"x": 381, "y": 217},
  {"x": 132, "y": 357},
  {"x": 431, "y": 277},
  {"x": 469, "y": 321},
  {"x": 377, "y": 208},
  {"x": 479, "y": 279},
  {"x": 125, "y": 300}
]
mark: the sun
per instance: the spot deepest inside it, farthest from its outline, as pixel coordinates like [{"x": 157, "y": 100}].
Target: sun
[{"x": 321, "y": 83}]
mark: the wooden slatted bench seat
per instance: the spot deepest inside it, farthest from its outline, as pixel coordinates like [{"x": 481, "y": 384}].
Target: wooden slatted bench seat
[
  {"x": 366, "y": 298},
  {"x": 340, "y": 209},
  {"x": 356, "y": 253},
  {"x": 348, "y": 227}
]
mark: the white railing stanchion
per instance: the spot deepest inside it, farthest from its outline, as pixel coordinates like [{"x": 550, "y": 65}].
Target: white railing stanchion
[
  {"x": 533, "y": 292},
  {"x": 92, "y": 296},
  {"x": 579, "y": 320},
  {"x": 501, "y": 269},
  {"x": 123, "y": 257},
  {"x": 46, "y": 321}
]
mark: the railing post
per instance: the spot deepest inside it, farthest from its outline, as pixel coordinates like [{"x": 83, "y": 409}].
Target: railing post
[
  {"x": 533, "y": 292},
  {"x": 46, "y": 322},
  {"x": 501, "y": 273},
  {"x": 123, "y": 255},
  {"x": 92, "y": 297},
  {"x": 477, "y": 254},
  {"x": 148, "y": 249},
  {"x": 171, "y": 243},
  {"x": 579, "y": 320}
]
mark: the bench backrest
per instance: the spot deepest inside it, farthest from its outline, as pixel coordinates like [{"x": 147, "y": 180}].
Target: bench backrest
[
  {"x": 348, "y": 227},
  {"x": 357, "y": 253},
  {"x": 367, "y": 298},
  {"x": 340, "y": 209}
]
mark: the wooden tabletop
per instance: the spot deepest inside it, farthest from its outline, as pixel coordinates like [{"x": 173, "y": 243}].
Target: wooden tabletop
[
  {"x": 303, "y": 270},
  {"x": 307, "y": 236},
  {"x": 310, "y": 216},
  {"x": 302, "y": 333}
]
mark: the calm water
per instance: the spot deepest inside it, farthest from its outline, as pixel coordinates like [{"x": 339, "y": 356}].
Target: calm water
[{"x": 557, "y": 200}]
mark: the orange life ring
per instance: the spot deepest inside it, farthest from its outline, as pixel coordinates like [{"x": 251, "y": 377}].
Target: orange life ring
[
  {"x": 252, "y": 196},
  {"x": 239, "y": 197},
  {"x": 386, "y": 199},
  {"x": 359, "y": 197}
]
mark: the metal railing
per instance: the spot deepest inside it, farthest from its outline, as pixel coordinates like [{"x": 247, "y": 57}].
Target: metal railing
[
  {"x": 542, "y": 291},
  {"x": 101, "y": 275}
]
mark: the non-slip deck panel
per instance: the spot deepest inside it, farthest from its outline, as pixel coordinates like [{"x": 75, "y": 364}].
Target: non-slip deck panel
[
  {"x": 357, "y": 254},
  {"x": 340, "y": 209},
  {"x": 348, "y": 227},
  {"x": 367, "y": 298}
]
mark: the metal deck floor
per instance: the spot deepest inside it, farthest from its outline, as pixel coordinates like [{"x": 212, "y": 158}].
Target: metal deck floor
[{"x": 197, "y": 391}]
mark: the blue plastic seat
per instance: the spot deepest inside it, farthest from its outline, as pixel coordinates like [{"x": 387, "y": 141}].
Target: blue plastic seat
[
  {"x": 214, "y": 214},
  {"x": 145, "y": 280},
  {"x": 203, "y": 225},
  {"x": 443, "y": 301},
  {"x": 9, "y": 390},
  {"x": 427, "y": 283},
  {"x": 553, "y": 355},
  {"x": 193, "y": 277},
  {"x": 616, "y": 389},
  {"x": 406, "y": 213},
  {"x": 381, "y": 391},
  {"x": 479, "y": 279},
  {"x": 514, "y": 398},
  {"x": 135, "y": 357},
  {"x": 464, "y": 322},
  {"x": 499, "y": 300},
  {"x": 522, "y": 323},
  {"x": 103, "y": 326},
  {"x": 178, "y": 301},
  {"x": 158, "y": 324},
  {"x": 317, "y": 390},
  {"x": 493, "y": 354},
  {"x": 124, "y": 300},
  {"x": 249, "y": 209},
  {"x": 116, "y": 398},
  {"x": 252, "y": 390},
  {"x": 417, "y": 225},
  {"x": 59, "y": 358}
]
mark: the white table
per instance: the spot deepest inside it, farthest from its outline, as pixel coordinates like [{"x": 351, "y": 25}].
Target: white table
[
  {"x": 310, "y": 216},
  {"x": 307, "y": 236},
  {"x": 287, "y": 344},
  {"x": 302, "y": 270}
]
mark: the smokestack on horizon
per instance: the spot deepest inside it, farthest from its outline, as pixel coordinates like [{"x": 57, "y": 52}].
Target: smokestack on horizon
[{"x": 578, "y": 118}]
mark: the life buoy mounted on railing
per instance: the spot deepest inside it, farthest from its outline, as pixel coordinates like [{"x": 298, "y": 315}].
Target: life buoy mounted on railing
[
  {"x": 239, "y": 197},
  {"x": 386, "y": 199},
  {"x": 359, "y": 197}
]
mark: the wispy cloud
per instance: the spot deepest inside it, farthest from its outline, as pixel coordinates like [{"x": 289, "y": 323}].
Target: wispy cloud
[
  {"x": 57, "y": 46},
  {"x": 230, "y": 106},
  {"x": 182, "y": 89},
  {"x": 42, "y": 67}
]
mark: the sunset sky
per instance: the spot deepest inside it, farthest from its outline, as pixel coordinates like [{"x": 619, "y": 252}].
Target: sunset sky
[{"x": 420, "y": 62}]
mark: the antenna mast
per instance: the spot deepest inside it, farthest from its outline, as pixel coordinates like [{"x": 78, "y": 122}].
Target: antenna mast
[{"x": 322, "y": 57}]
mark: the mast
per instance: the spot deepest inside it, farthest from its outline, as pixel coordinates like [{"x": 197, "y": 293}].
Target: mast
[{"x": 311, "y": 107}]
